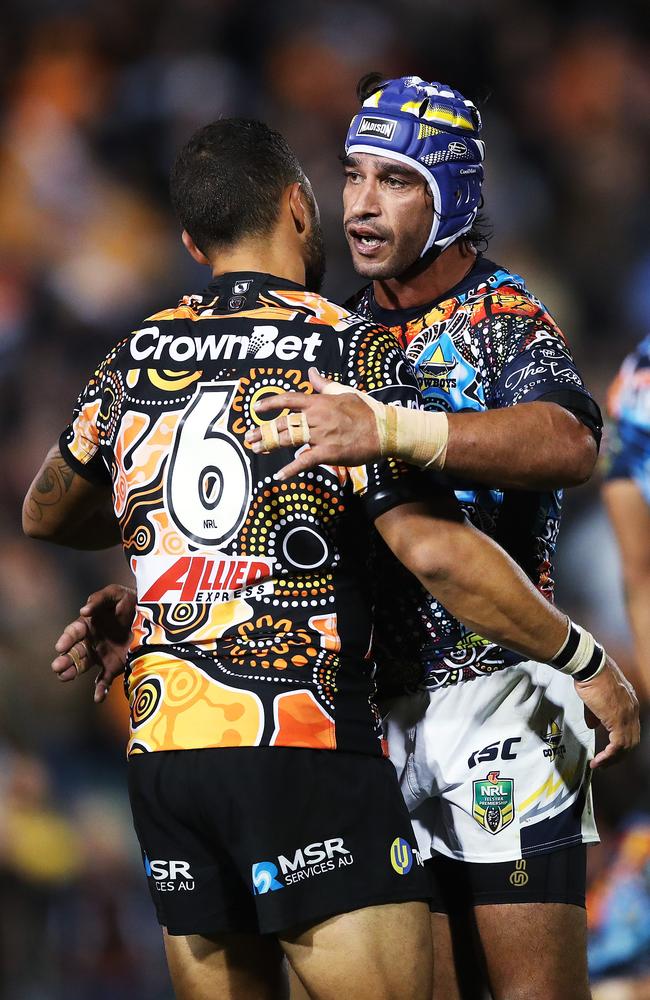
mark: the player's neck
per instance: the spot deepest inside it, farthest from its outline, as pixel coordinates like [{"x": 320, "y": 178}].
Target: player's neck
[
  {"x": 273, "y": 257},
  {"x": 408, "y": 291}
]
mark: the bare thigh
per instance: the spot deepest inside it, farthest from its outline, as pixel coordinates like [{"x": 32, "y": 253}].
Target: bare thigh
[
  {"x": 459, "y": 971},
  {"x": 226, "y": 967},
  {"x": 376, "y": 953},
  {"x": 535, "y": 951}
]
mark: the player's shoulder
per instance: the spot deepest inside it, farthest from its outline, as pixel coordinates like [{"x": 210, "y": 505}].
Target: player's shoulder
[{"x": 504, "y": 291}]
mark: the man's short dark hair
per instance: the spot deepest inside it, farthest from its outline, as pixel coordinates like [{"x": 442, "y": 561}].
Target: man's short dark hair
[{"x": 228, "y": 179}]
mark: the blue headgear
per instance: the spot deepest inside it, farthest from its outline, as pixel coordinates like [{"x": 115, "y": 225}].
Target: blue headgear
[{"x": 435, "y": 130}]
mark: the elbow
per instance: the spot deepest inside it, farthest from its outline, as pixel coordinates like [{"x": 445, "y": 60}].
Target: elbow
[
  {"x": 429, "y": 560},
  {"x": 582, "y": 460},
  {"x": 34, "y": 527}
]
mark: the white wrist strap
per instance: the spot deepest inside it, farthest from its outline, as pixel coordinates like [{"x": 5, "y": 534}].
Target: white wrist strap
[{"x": 580, "y": 655}]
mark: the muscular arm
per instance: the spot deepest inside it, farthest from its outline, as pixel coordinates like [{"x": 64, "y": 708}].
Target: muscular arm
[
  {"x": 485, "y": 589},
  {"x": 65, "y": 508},
  {"x": 531, "y": 446},
  {"x": 630, "y": 517},
  {"x": 474, "y": 579}
]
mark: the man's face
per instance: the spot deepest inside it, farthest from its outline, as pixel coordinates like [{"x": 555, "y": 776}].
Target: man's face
[{"x": 387, "y": 214}]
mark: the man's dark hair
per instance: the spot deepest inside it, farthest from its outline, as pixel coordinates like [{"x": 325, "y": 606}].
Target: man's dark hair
[
  {"x": 368, "y": 84},
  {"x": 227, "y": 181}
]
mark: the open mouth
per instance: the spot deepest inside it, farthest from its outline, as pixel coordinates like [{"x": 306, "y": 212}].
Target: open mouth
[{"x": 365, "y": 241}]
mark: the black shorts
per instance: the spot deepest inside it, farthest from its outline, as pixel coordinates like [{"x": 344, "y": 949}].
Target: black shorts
[
  {"x": 556, "y": 877},
  {"x": 260, "y": 840}
]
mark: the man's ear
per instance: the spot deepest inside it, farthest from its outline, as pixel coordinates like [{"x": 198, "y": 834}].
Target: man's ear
[
  {"x": 298, "y": 207},
  {"x": 193, "y": 250}
]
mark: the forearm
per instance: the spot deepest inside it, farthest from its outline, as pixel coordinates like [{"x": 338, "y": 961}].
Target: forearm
[
  {"x": 486, "y": 590},
  {"x": 528, "y": 446},
  {"x": 474, "y": 579}
]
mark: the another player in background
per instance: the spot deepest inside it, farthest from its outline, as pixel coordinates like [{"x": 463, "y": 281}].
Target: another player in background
[
  {"x": 626, "y": 492},
  {"x": 510, "y": 422},
  {"x": 260, "y": 793}
]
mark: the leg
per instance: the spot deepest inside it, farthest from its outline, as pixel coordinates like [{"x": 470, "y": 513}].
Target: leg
[
  {"x": 376, "y": 953},
  {"x": 296, "y": 990},
  {"x": 225, "y": 967},
  {"x": 445, "y": 981},
  {"x": 535, "y": 951},
  {"x": 459, "y": 971}
]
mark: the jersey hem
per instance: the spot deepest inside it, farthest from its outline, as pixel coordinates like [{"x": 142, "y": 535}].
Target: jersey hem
[{"x": 548, "y": 848}]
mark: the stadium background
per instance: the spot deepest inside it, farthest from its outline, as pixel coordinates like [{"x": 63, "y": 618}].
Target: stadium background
[{"x": 96, "y": 98}]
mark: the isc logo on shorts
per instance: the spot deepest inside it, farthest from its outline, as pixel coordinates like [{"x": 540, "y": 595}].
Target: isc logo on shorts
[
  {"x": 402, "y": 856},
  {"x": 307, "y": 862}
]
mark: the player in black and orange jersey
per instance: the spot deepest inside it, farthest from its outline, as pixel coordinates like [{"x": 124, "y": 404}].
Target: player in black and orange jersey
[{"x": 250, "y": 660}]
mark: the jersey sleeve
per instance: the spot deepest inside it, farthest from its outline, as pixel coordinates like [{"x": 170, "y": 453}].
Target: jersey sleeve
[
  {"x": 373, "y": 362},
  {"x": 541, "y": 367},
  {"x": 79, "y": 443}
]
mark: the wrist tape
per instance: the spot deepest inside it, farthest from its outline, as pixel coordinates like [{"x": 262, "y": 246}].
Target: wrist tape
[
  {"x": 580, "y": 656},
  {"x": 415, "y": 436}
]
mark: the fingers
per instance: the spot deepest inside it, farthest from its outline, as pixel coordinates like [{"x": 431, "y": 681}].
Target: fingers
[
  {"x": 125, "y": 607},
  {"x": 103, "y": 683},
  {"x": 283, "y": 432},
  {"x": 609, "y": 755},
  {"x": 284, "y": 401},
  {"x": 308, "y": 458},
  {"x": 75, "y": 632},
  {"x": 101, "y": 598},
  {"x": 326, "y": 386},
  {"x": 319, "y": 383},
  {"x": 74, "y": 661}
]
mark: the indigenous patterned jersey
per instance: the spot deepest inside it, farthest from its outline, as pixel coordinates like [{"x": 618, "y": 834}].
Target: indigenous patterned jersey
[
  {"x": 253, "y": 622},
  {"x": 627, "y": 444},
  {"x": 487, "y": 344}
]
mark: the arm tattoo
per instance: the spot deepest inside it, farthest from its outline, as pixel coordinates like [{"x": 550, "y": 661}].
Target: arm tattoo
[{"x": 52, "y": 484}]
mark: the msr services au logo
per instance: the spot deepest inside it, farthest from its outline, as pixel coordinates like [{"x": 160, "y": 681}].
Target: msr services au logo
[
  {"x": 307, "y": 862},
  {"x": 170, "y": 876}
]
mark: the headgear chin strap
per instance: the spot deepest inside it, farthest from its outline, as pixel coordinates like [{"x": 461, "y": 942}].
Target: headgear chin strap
[{"x": 435, "y": 130}]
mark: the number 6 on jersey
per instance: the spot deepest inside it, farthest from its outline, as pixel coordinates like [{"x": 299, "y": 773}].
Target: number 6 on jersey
[{"x": 209, "y": 476}]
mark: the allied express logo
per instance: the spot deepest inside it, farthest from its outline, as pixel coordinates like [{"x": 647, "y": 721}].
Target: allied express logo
[
  {"x": 199, "y": 579},
  {"x": 493, "y": 803},
  {"x": 383, "y": 128}
]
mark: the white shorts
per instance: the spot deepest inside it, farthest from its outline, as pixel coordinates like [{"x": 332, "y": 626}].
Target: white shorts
[{"x": 495, "y": 769}]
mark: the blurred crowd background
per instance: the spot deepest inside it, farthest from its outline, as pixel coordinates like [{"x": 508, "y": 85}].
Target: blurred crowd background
[{"x": 97, "y": 95}]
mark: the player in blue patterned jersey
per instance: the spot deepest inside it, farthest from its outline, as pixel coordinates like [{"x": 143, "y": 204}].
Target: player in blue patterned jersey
[
  {"x": 493, "y": 751},
  {"x": 626, "y": 491}
]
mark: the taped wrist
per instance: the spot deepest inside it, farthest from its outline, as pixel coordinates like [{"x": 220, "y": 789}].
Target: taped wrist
[
  {"x": 580, "y": 655},
  {"x": 415, "y": 436}
]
